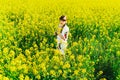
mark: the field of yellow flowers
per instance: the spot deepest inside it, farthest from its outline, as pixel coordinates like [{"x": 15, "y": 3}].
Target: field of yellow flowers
[{"x": 28, "y": 45}]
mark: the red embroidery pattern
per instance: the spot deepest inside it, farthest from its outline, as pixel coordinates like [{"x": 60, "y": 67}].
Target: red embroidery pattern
[{"x": 65, "y": 35}]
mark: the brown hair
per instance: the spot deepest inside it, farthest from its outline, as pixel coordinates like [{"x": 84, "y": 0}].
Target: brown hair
[{"x": 62, "y": 18}]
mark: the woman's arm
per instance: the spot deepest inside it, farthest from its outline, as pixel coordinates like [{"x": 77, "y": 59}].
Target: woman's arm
[{"x": 61, "y": 36}]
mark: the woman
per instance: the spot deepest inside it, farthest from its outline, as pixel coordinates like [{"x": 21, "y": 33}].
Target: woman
[{"x": 62, "y": 34}]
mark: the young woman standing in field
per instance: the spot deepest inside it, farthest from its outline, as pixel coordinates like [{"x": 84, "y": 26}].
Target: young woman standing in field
[{"x": 62, "y": 34}]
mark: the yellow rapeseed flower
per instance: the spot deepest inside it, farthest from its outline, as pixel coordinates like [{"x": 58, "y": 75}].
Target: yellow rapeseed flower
[
  {"x": 76, "y": 72},
  {"x": 35, "y": 71},
  {"x": 27, "y": 52},
  {"x": 21, "y": 77},
  {"x": 12, "y": 53},
  {"x": 75, "y": 43},
  {"x": 61, "y": 63},
  {"x": 59, "y": 30},
  {"x": 0, "y": 34},
  {"x": 118, "y": 53},
  {"x": 52, "y": 72},
  {"x": 60, "y": 71},
  {"x": 72, "y": 57},
  {"x": 5, "y": 78},
  {"x": 12, "y": 68},
  {"x": 83, "y": 70},
  {"x": 5, "y": 50},
  {"x": 38, "y": 77},
  {"x": 80, "y": 64},
  {"x": 85, "y": 78},
  {"x": 100, "y": 72},
  {"x": 79, "y": 57},
  {"x": 1, "y": 76},
  {"x": 27, "y": 77},
  {"x": 66, "y": 65}
]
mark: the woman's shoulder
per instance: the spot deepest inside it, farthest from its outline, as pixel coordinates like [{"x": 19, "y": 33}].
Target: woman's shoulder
[{"x": 66, "y": 27}]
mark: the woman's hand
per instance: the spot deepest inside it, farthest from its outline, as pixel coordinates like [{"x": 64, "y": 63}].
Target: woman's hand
[{"x": 61, "y": 36}]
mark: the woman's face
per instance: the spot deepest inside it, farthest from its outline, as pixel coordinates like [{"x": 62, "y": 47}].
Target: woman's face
[{"x": 63, "y": 22}]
